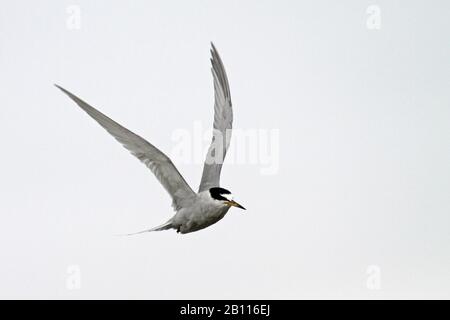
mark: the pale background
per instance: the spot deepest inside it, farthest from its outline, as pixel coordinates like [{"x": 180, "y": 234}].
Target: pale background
[{"x": 364, "y": 160}]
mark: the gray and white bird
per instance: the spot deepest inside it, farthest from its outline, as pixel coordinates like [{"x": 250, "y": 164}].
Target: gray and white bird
[{"x": 194, "y": 211}]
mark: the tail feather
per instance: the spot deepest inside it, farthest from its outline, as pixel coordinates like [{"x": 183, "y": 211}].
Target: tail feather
[{"x": 165, "y": 226}]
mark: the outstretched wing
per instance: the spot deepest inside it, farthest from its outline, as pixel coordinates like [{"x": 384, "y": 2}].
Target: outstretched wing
[
  {"x": 154, "y": 159},
  {"x": 223, "y": 119}
]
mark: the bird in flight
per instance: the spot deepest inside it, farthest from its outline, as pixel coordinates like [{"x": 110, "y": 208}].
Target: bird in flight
[{"x": 194, "y": 211}]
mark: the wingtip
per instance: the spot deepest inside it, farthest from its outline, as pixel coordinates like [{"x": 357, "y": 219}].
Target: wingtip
[
  {"x": 71, "y": 95},
  {"x": 213, "y": 48},
  {"x": 60, "y": 88}
]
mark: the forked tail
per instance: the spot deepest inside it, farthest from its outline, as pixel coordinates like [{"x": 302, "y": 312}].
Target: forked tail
[{"x": 165, "y": 226}]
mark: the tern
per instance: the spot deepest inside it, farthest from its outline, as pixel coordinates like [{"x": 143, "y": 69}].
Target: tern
[{"x": 194, "y": 211}]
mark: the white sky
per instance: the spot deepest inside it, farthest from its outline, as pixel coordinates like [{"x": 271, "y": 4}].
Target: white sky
[{"x": 364, "y": 156}]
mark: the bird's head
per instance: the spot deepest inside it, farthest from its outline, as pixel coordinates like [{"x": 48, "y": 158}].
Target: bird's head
[{"x": 224, "y": 196}]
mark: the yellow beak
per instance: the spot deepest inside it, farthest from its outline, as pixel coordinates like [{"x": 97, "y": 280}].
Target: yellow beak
[{"x": 233, "y": 203}]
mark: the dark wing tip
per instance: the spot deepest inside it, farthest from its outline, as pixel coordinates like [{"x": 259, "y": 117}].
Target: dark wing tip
[
  {"x": 63, "y": 90},
  {"x": 83, "y": 105},
  {"x": 219, "y": 71},
  {"x": 214, "y": 51},
  {"x": 59, "y": 87}
]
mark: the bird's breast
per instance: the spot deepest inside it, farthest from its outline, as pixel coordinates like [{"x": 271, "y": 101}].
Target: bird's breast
[{"x": 201, "y": 215}]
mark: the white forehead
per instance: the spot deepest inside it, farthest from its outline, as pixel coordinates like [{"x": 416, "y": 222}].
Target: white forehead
[{"x": 229, "y": 197}]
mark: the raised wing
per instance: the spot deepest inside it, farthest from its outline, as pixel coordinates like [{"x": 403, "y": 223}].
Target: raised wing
[
  {"x": 152, "y": 157},
  {"x": 223, "y": 119}
]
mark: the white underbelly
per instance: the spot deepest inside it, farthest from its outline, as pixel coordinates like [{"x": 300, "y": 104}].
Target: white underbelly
[{"x": 202, "y": 218}]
